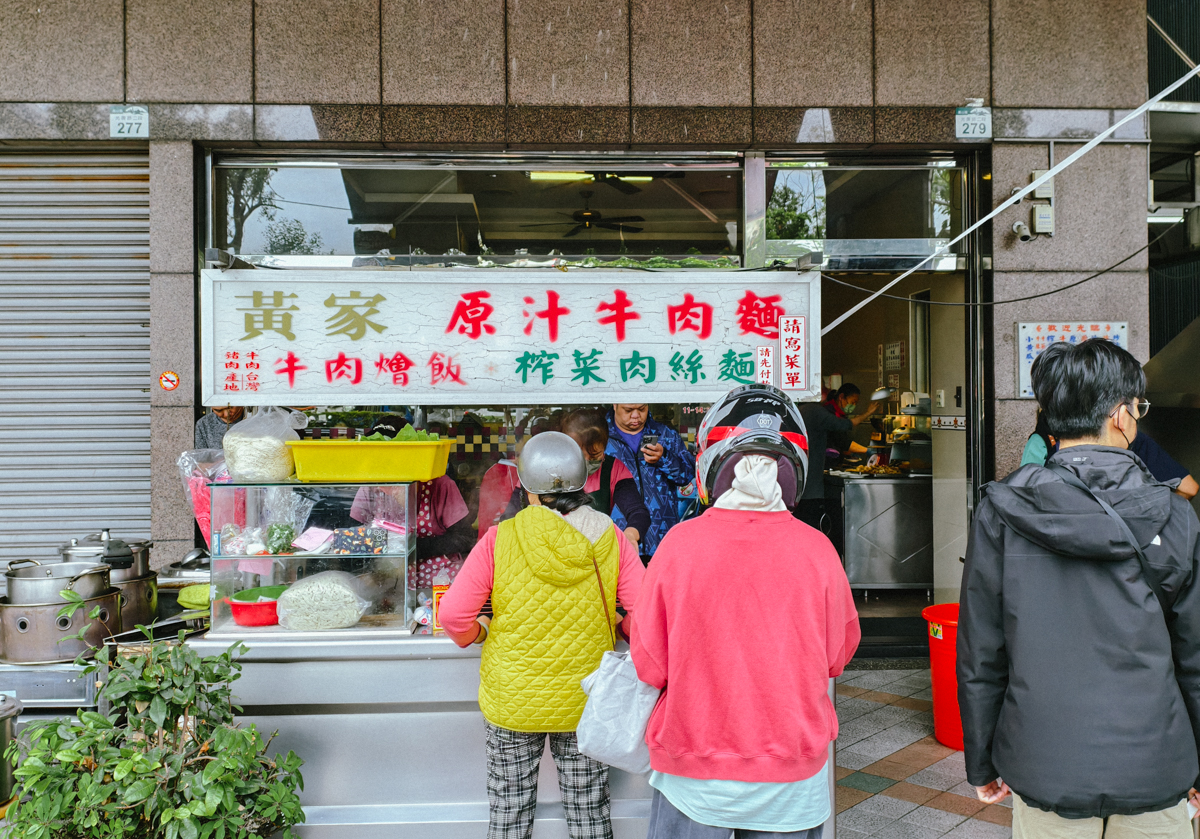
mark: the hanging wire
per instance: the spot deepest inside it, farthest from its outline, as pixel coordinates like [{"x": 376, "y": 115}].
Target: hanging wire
[{"x": 1112, "y": 267}]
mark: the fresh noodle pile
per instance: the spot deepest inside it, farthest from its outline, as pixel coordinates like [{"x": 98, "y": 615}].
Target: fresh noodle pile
[{"x": 328, "y": 600}]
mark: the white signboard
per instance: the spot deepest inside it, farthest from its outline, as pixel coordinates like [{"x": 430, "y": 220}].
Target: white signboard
[
  {"x": 493, "y": 338},
  {"x": 128, "y": 122},
  {"x": 973, "y": 123},
  {"x": 793, "y": 353},
  {"x": 1033, "y": 338},
  {"x": 764, "y": 372}
]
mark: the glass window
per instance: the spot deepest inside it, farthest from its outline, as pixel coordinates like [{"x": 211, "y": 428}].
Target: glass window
[
  {"x": 814, "y": 205},
  {"x": 491, "y": 215}
]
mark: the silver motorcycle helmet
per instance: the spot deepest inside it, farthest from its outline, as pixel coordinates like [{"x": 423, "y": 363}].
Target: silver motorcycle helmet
[{"x": 550, "y": 464}]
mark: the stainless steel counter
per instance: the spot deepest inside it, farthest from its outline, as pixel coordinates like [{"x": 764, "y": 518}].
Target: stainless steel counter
[
  {"x": 391, "y": 734},
  {"x": 887, "y": 530},
  {"x": 392, "y": 737}
]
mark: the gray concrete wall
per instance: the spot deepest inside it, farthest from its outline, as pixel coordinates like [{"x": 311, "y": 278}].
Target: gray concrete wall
[{"x": 494, "y": 74}]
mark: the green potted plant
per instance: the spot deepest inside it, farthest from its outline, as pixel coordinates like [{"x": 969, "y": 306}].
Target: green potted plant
[{"x": 167, "y": 761}]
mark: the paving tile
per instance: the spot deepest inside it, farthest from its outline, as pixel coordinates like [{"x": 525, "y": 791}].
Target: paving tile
[
  {"x": 881, "y": 697},
  {"x": 925, "y": 694},
  {"x": 874, "y": 679},
  {"x": 885, "y": 805},
  {"x": 853, "y": 760},
  {"x": 846, "y": 833},
  {"x": 840, "y": 772},
  {"x": 995, "y": 814},
  {"x": 918, "y": 755},
  {"x": 976, "y": 829},
  {"x": 965, "y": 788},
  {"x": 847, "y": 797},
  {"x": 887, "y": 768},
  {"x": 959, "y": 804},
  {"x": 911, "y": 792},
  {"x": 885, "y": 743},
  {"x": 869, "y": 823},
  {"x": 905, "y": 830},
  {"x": 859, "y": 729},
  {"x": 847, "y": 690},
  {"x": 849, "y": 709},
  {"x": 934, "y": 819},
  {"x": 891, "y": 715},
  {"x": 866, "y": 781},
  {"x": 914, "y": 704},
  {"x": 933, "y": 780}
]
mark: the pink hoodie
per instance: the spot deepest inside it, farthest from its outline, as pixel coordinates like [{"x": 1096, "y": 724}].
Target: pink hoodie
[{"x": 743, "y": 618}]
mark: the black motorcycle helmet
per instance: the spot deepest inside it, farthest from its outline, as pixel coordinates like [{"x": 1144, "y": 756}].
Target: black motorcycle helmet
[{"x": 752, "y": 419}]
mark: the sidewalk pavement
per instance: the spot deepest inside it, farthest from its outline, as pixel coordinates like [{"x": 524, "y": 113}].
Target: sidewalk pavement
[{"x": 894, "y": 780}]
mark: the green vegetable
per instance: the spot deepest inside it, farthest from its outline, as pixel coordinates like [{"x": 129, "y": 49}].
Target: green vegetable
[
  {"x": 280, "y": 537},
  {"x": 407, "y": 434}
]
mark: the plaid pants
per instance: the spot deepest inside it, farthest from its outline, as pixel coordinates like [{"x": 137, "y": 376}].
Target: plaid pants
[{"x": 513, "y": 758}]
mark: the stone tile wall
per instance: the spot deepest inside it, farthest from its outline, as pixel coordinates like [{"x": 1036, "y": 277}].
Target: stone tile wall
[{"x": 606, "y": 74}]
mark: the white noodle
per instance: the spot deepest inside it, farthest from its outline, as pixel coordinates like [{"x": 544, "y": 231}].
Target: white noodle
[
  {"x": 257, "y": 459},
  {"x": 324, "y": 601}
]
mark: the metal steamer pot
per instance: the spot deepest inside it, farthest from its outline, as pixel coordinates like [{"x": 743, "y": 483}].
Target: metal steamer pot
[
  {"x": 38, "y": 634},
  {"x": 31, "y": 582},
  {"x": 128, "y": 560}
]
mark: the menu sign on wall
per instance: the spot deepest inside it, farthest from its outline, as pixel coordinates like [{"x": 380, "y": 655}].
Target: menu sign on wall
[
  {"x": 1033, "y": 338},
  {"x": 520, "y": 337}
]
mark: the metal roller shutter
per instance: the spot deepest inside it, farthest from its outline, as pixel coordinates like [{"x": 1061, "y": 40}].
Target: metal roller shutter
[{"x": 74, "y": 349}]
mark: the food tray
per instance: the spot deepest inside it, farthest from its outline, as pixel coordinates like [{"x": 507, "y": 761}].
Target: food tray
[{"x": 363, "y": 461}]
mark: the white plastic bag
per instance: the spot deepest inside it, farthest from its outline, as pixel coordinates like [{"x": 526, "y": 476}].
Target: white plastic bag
[
  {"x": 255, "y": 448},
  {"x": 329, "y": 600},
  {"x": 612, "y": 729}
]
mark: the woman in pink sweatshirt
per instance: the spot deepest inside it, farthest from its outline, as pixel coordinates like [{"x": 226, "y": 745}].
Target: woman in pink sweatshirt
[{"x": 744, "y": 616}]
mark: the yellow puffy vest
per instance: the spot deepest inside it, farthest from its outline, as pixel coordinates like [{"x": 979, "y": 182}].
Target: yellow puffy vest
[{"x": 549, "y": 630}]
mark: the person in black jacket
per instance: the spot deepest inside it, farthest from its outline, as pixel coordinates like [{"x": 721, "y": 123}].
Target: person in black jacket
[{"x": 1079, "y": 688}]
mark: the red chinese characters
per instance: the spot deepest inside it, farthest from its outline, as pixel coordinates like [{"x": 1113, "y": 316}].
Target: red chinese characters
[
  {"x": 690, "y": 315},
  {"x": 344, "y": 367},
  {"x": 759, "y": 315},
  {"x": 443, "y": 368},
  {"x": 622, "y": 313},
  {"x": 397, "y": 365},
  {"x": 289, "y": 367},
  {"x": 471, "y": 314},
  {"x": 550, "y": 314}
]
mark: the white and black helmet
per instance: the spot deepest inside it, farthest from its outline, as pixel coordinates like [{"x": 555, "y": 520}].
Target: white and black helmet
[
  {"x": 751, "y": 419},
  {"x": 550, "y": 464}
]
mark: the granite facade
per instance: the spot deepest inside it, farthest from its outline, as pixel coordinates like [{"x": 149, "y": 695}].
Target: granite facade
[
  {"x": 316, "y": 51},
  {"x": 64, "y": 51},
  {"x": 698, "y": 58},
  {"x": 568, "y": 52},
  {"x": 813, "y": 53},
  {"x": 931, "y": 59},
  {"x": 208, "y": 59},
  {"x": 466, "y": 65}
]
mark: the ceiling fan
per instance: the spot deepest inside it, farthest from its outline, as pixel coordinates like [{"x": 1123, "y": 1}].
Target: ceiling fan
[{"x": 586, "y": 219}]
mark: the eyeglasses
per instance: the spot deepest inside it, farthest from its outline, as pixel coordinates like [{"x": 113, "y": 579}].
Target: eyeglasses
[{"x": 1142, "y": 406}]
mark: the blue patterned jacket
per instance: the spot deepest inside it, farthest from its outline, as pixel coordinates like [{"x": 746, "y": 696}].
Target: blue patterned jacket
[{"x": 656, "y": 483}]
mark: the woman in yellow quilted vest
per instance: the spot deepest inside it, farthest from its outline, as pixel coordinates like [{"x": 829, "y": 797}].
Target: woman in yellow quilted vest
[{"x": 555, "y": 574}]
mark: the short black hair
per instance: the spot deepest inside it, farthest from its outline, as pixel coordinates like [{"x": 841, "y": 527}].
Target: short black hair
[
  {"x": 566, "y": 502},
  {"x": 847, "y": 390},
  {"x": 1079, "y": 385},
  {"x": 589, "y": 425}
]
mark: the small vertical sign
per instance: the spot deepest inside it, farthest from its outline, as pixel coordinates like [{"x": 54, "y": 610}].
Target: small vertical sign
[
  {"x": 880, "y": 366},
  {"x": 793, "y": 354},
  {"x": 764, "y": 366}
]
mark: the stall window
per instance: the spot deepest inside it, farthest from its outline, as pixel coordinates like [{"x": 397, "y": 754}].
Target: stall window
[
  {"x": 818, "y": 205},
  {"x": 322, "y": 211}
]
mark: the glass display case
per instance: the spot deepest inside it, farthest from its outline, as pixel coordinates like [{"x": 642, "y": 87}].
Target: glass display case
[{"x": 295, "y": 557}]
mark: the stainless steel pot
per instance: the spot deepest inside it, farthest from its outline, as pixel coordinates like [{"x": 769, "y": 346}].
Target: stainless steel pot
[
  {"x": 139, "y": 601},
  {"x": 10, "y": 709},
  {"x": 129, "y": 560},
  {"x": 31, "y": 582},
  {"x": 35, "y": 633}
]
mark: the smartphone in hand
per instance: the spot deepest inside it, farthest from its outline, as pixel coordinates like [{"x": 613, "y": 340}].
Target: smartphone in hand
[{"x": 649, "y": 440}]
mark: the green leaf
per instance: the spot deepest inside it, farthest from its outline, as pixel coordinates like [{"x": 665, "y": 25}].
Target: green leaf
[
  {"x": 140, "y": 790},
  {"x": 122, "y": 770},
  {"x": 158, "y": 711},
  {"x": 188, "y": 829}
]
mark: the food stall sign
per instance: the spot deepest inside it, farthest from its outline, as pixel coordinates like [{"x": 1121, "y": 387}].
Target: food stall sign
[
  {"x": 793, "y": 354},
  {"x": 764, "y": 365},
  {"x": 1033, "y": 338},
  {"x": 295, "y": 337}
]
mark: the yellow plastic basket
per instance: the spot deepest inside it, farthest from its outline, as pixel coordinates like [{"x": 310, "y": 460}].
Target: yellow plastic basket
[{"x": 361, "y": 461}]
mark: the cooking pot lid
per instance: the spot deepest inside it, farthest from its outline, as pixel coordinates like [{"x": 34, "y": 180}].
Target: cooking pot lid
[
  {"x": 10, "y": 706},
  {"x": 110, "y": 547}
]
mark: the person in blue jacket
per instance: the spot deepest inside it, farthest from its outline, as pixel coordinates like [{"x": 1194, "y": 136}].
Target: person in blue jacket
[{"x": 659, "y": 466}]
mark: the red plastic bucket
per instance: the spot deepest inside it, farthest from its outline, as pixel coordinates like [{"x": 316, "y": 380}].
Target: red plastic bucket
[{"x": 943, "y": 635}]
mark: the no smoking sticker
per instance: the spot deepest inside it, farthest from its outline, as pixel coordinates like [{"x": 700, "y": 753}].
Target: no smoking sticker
[{"x": 169, "y": 380}]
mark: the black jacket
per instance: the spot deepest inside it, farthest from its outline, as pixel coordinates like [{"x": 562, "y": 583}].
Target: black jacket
[{"x": 1073, "y": 686}]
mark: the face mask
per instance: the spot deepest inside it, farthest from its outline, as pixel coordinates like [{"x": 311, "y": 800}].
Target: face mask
[
  {"x": 851, "y": 407},
  {"x": 593, "y": 466}
]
